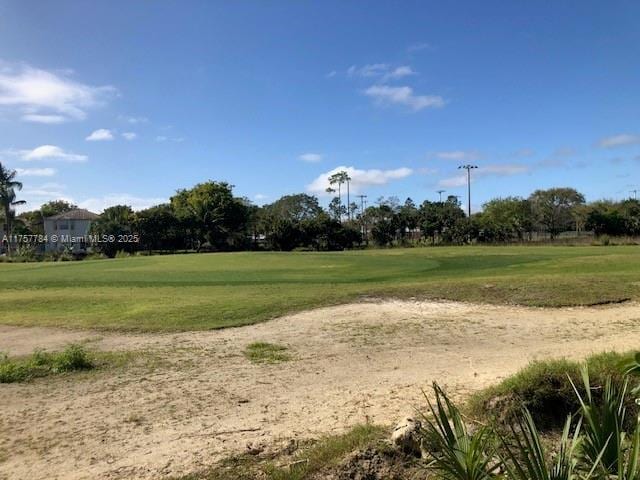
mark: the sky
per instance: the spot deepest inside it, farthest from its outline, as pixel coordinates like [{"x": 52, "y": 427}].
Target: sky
[{"x": 124, "y": 102}]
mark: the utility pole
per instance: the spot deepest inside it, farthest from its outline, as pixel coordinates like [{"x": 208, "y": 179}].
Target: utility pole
[
  {"x": 348, "y": 179},
  {"x": 468, "y": 168},
  {"x": 440, "y": 192},
  {"x": 362, "y": 203},
  {"x": 635, "y": 194}
]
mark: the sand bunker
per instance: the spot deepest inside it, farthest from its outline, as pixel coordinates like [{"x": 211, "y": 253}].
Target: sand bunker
[{"x": 202, "y": 399}]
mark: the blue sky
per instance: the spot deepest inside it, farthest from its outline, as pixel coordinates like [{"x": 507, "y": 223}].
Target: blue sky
[{"x": 127, "y": 101}]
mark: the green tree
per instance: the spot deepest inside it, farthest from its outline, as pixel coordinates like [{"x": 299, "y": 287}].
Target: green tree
[
  {"x": 437, "y": 219},
  {"x": 408, "y": 217},
  {"x": 505, "y": 219},
  {"x": 8, "y": 187},
  {"x": 159, "y": 228},
  {"x": 114, "y": 221},
  {"x": 55, "y": 207},
  {"x": 553, "y": 208},
  {"x": 213, "y": 215},
  {"x": 339, "y": 178},
  {"x": 292, "y": 221},
  {"x": 384, "y": 222}
]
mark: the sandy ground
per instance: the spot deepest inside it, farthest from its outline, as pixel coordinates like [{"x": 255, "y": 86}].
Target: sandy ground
[{"x": 204, "y": 400}]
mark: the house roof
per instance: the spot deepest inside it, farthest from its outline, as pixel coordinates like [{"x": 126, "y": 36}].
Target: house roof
[{"x": 77, "y": 214}]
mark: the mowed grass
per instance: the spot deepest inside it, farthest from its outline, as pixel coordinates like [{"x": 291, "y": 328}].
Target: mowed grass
[{"x": 189, "y": 292}]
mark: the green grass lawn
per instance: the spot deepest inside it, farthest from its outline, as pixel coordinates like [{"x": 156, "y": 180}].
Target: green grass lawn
[{"x": 188, "y": 292}]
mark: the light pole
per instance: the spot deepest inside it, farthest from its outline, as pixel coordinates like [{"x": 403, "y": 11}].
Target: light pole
[
  {"x": 635, "y": 194},
  {"x": 468, "y": 168},
  {"x": 363, "y": 199},
  {"x": 440, "y": 192}
]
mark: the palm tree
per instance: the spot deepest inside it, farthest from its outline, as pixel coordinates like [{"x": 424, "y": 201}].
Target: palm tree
[
  {"x": 340, "y": 178},
  {"x": 8, "y": 187}
]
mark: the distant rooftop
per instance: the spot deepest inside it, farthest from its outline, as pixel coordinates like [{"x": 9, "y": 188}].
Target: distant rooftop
[{"x": 77, "y": 214}]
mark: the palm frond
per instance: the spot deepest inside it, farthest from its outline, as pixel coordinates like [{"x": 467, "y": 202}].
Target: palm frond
[
  {"x": 526, "y": 458},
  {"x": 603, "y": 422},
  {"x": 457, "y": 453}
]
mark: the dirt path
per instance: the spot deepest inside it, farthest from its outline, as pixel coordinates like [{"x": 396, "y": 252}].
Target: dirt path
[{"x": 205, "y": 400}]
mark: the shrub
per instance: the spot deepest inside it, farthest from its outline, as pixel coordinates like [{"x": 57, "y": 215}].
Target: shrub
[
  {"x": 41, "y": 364},
  {"x": 545, "y": 389},
  {"x": 74, "y": 357},
  {"x": 523, "y": 455}
]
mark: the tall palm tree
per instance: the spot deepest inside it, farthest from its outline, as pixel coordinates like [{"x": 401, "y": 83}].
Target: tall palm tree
[
  {"x": 8, "y": 187},
  {"x": 340, "y": 178},
  {"x": 347, "y": 179}
]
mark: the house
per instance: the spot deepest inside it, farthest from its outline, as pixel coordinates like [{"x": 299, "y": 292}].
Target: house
[{"x": 69, "y": 230}]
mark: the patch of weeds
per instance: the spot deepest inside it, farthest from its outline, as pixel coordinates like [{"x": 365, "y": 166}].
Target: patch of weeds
[
  {"x": 263, "y": 352},
  {"x": 326, "y": 453},
  {"x": 74, "y": 358},
  {"x": 42, "y": 364},
  {"x": 309, "y": 462}
]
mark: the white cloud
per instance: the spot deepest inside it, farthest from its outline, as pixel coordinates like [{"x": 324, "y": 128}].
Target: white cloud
[
  {"x": 359, "y": 178},
  {"x": 98, "y": 204},
  {"x": 46, "y": 119},
  {"x": 331, "y": 74},
  {"x": 43, "y": 192},
  {"x": 46, "y": 97},
  {"x": 504, "y": 169},
  {"x": 497, "y": 170},
  {"x": 260, "y": 196},
  {"x": 130, "y": 135},
  {"x": 163, "y": 138},
  {"x": 53, "y": 152},
  {"x": 385, "y": 95},
  {"x": 100, "y": 135},
  {"x": 398, "y": 72},
  {"x": 371, "y": 70},
  {"x": 383, "y": 71},
  {"x": 619, "y": 140},
  {"x": 453, "y": 182},
  {"x": 133, "y": 120},
  {"x": 310, "y": 157},
  {"x": 457, "y": 155},
  {"x": 36, "y": 172}
]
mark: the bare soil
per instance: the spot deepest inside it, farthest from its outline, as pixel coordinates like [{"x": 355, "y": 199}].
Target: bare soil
[{"x": 201, "y": 399}]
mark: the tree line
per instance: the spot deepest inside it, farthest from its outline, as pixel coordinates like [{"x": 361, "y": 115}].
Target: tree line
[{"x": 209, "y": 217}]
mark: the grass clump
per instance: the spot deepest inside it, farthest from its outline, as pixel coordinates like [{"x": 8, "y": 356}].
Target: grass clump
[
  {"x": 308, "y": 462},
  {"x": 544, "y": 388},
  {"x": 42, "y": 364},
  {"x": 263, "y": 352},
  {"x": 326, "y": 453}
]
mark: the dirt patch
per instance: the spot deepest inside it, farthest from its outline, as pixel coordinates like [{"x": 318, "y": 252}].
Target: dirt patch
[{"x": 205, "y": 400}]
